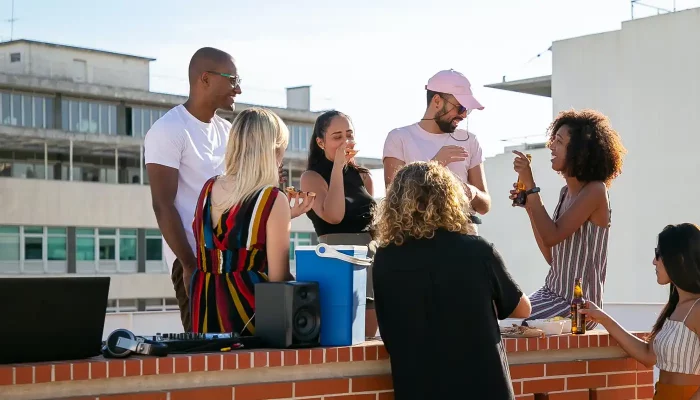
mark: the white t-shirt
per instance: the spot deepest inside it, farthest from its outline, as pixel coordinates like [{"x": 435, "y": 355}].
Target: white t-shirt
[
  {"x": 196, "y": 149},
  {"x": 413, "y": 143}
]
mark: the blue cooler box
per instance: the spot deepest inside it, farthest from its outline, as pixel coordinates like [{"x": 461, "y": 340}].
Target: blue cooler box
[{"x": 341, "y": 273}]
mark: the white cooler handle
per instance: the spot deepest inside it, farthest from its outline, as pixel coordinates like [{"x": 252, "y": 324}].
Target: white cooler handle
[{"x": 324, "y": 250}]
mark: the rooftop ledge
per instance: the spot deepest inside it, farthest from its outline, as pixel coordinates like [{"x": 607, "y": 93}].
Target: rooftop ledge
[
  {"x": 539, "y": 86},
  {"x": 556, "y": 364}
]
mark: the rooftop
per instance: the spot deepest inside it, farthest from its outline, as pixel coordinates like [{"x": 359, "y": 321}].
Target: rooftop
[
  {"x": 539, "y": 86},
  {"x": 63, "y": 46}
]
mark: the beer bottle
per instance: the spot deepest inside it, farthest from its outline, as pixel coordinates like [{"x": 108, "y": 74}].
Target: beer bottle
[
  {"x": 520, "y": 187},
  {"x": 578, "y": 320}
]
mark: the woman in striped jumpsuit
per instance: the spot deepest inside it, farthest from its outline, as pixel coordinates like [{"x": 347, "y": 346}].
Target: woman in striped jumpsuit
[{"x": 588, "y": 153}]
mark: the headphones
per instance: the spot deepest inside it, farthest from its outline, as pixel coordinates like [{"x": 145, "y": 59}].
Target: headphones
[{"x": 122, "y": 343}]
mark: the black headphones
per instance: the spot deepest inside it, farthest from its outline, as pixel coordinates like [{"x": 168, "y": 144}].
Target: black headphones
[{"x": 122, "y": 343}]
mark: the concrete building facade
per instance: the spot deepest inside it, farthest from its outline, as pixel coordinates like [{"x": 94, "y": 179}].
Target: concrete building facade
[{"x": 74, "y": 191}]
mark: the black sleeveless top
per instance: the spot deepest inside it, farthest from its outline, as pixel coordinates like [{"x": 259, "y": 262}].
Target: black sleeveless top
[{"x": 358, "y": 202}]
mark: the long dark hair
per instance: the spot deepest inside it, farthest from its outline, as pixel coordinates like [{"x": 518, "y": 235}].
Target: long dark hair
[
  {"x": 316, "y": 154},
  {"x": 679, "y": 249}
]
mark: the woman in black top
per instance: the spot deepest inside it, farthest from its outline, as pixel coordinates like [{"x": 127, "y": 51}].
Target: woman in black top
[
  {"x": 342, "y": 211},
  {"x": 439, "y": 292}
]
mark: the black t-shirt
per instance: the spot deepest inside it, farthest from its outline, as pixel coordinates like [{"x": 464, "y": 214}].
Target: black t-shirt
[{"x": 435, "y": 303}]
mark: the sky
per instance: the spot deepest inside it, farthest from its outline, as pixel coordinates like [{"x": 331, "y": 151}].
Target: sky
[{"x": 370, "y": 59}]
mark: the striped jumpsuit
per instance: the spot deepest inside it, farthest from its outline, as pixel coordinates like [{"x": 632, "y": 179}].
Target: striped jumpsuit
[{"x": 583, "y": 255}]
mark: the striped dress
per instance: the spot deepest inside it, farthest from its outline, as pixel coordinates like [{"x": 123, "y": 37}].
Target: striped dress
[
  {"x": 231, "y": 259},
  {"x": 583, "y": 255}
]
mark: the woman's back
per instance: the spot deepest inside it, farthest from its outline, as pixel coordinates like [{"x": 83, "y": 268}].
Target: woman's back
[{"x": 435, "y": 303}]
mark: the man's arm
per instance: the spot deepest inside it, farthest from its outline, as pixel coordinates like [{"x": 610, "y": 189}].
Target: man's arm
[
  {"x": 391, "y": 166},
  {"x": 476, "y": 179},
  {"x": 163, "y": 190}
]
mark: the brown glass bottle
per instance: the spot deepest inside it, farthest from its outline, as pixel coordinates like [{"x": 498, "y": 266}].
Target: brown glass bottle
[
  {"x": 519, "y": 200},
  {"x": 578, "y": 320}
]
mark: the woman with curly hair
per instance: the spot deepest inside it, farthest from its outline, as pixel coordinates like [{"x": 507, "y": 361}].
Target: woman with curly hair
[
  {"x": 433, "y": 275},
  {"x": 588, "y": 153}
]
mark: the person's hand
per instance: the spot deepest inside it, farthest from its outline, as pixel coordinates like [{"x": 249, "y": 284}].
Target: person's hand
[
  {"x": 594, "y": 313},
  {"x": 521, "y": 165},
  {"x": 514, "y": 194},
  {"x": 187, "y": 272},
  {"x": 301, "y": 203},
  {"x": 449, "y": 154}
]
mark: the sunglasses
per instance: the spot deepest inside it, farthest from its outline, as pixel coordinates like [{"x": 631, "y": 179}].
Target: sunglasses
[
  {"x": 460, "y": 108},
  {"x": 235, "y": 80}
]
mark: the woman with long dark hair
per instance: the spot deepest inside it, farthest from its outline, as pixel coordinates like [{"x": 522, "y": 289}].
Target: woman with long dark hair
[
  {"x": 674, "y": 343},
  {"x": 342, "y": 211}
]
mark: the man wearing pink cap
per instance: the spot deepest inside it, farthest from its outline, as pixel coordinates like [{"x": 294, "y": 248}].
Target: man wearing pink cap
[{"x": 436, "y": 137}]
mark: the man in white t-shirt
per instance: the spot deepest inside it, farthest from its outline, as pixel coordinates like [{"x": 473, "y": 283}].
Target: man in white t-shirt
[
  {"x": 436, "y": 137},
  {"x": 183, "y": 149}
]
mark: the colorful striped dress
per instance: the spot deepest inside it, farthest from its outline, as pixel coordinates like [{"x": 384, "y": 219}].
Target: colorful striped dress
[
  {"x": 583, "y": 255},
  {"x": 231, "y": 259}
]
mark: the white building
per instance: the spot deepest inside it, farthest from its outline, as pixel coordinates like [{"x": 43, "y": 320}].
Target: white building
[
  {"x": 646, "y": 78},
  {"x": 74, "y": 196}
]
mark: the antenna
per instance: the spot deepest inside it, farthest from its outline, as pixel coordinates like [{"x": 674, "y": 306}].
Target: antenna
[
  {"x": 12, "y": 21},
  {"x": 658, "y": 9}
]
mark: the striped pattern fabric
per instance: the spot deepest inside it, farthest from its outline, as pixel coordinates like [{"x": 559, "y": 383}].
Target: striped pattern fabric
[
  {"x": 231, "y": 259},
  {"x": 677, "y": 347},
  {"x": 583, "y": 255}
]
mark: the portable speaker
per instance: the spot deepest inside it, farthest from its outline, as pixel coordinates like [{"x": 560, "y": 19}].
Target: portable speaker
[{"x": 288, "y": 314}]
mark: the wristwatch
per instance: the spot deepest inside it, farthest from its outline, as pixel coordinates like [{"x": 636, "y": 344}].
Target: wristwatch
[{"x": 532, "y": 191}]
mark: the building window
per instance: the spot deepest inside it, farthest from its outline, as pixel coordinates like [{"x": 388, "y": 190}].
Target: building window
[
  {"x": 26, "y": 110},
  {"x": 56, "y": 245},
  {"x": 300, "y": 137},
  {"x": 121, "y": 305},
  {"x": 33, "y": 243},
  {"x": 9, "y": 243},
  {"x": 154, "y": 245},
  {"x": 85, "y": 244},
  {"x": 298, "y": 239},
  {"x": 107, "y": 239},
  {"x": 88, "y": 117},
  {"x": 15, "y": 57},
  {"x": 142, "y": 119},
  {"x": 127, "y": 244}
]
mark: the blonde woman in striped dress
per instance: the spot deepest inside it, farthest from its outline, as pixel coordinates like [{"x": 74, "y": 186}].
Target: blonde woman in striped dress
[{"x": 588, "y": 153}]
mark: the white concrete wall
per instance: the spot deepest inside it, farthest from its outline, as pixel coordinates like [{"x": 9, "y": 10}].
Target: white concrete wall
[
  {"x": 57, "y": 62},
  {"x": 645, "y": 78}
]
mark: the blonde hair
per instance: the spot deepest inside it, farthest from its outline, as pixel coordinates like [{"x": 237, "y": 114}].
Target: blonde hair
[
  {"x": 422, "y": 198},
  {"x": 257, "y": 136}
]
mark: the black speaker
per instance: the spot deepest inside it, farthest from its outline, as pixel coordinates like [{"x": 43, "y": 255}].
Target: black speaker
[{"x": 288, "y": 314}]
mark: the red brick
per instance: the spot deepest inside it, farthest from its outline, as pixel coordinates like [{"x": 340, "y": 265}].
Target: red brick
[
  {"x": 353, "y": 397},
  {"x": 275, "y": 358},
  {"x": 563, "y": 342},
  {"x": 219, "y": 393},
  {"x": 525, "y": 397},
  {"x": 150, "y": 366},
  {"x": 42, "y": 373},
  {"x": 584, "y": 341},
  {"x": 198, "y": 363},
  {"x": 115, "y": 368},
  {"x": 166, "y": 365},
  {"x": 372, "y": 383},
  {"x": 80, "y": 371},
  {"x": 386, "y": 396},
  {"x": 566, "y": 368},
  {"x": 573, "y": 341},
  {"x": 532, "y": 344},
  {"x": 543, "y": 385},
  {"x": 520, "y": 344},
  {"x": 331, "y": 355},
  {"x": 603, "y": 341},
  {"x": 24, "y": 375},
  {"x": 593, "y": 341},
  {"x": 263, "y": 391},
  {"x": 136, "y": 396},
  {"x": 61, "y": 372},
  {"x": 542, "y": 343},
  {"x": 358, "y": 353},
  {"x": 509, "y": 345},
  {"x": 321, "y": 387},
  {"x": 132, "y": 367},
  {"x": 645, "y": 392},
  {"x": 625, "y": 379},
  {"x": 98, "y": 370},
  {"x": 585, "y": 382},
  {"x": 182, "y": 364},
  {"x": 371, "y": 353},
  {"x": 526, "y": 371},
  {"x": 517, "y": 388},
  {"x": 343, "y": 354},
  {"x": 577, "y": 395},
  {"x": 230, "y": 360},
  {"x": 317, "y": 356},
  {"x": 645, "y": 378},
  {"x": 244, "y": 360},
  {"x": 613, "y": 365},
  {"x": 304, "y": 357},
  {"x": 213, "y": 362},
  {"x": 613, "y": 394},
  {"x": 290, "y": 358},
  {"x": 6, "y": 376},
  {"x": 260, "y": 359},
  {"x": 382, "y": 354}
]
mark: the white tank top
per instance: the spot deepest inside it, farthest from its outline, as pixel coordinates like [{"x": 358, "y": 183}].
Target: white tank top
[{"x": 677, "y": 347}]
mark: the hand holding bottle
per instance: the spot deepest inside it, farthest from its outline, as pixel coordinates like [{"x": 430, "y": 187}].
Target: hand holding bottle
[{"x": 594, "y": 313}]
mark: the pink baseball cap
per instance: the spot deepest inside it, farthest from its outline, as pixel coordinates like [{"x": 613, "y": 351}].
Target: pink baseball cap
[{"x": 456, "y": 84}]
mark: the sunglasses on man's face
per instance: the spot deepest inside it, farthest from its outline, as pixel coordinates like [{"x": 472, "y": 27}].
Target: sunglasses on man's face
[
  {"x": 460, "y": 108},
  {"x": 235, "y": 80}
]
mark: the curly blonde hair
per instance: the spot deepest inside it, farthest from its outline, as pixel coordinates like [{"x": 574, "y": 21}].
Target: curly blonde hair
[{"x": 422, "y": 198}]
